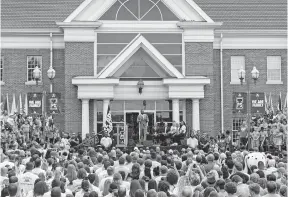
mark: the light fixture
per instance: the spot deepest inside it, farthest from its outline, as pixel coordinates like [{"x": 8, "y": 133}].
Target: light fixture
[
  {"x": 255, "y": 74},
  {"x": 36, "y": 74},
  {"x": 140, "y": 85},
  {"x": 241, "y": 74},
  {"x": 51, "y": 73}
]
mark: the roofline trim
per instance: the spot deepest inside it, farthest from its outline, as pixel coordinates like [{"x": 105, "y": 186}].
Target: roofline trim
[
  {"x": 195, "y": 24},
  {"x": 81, "y": 7},
  {"x": 256, "y": 32},
  {"x": 83, "y": 24}
]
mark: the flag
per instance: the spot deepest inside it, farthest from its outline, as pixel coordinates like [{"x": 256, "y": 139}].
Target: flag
[
  {"x": 279, "y": 106},
  {"x": 26, "y": 105},
  {"x": 13, "y": 107},
  {"x": 2, "y": 102},
  {"x": 266, "y": 105},
  {"x": 20, "y": 104},
  {"x": 6, "y": 104},
  {"x": 285, "y": 104},
  {"x": 271, "y": 108},
  {"x": 108, "y": 127}
]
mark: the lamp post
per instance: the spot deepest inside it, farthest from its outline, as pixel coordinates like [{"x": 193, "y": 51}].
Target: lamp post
[
  {"x": 255, "y": 76},
  {"x": 36, "y": 74},
  {"x": 51, "y": 74}
]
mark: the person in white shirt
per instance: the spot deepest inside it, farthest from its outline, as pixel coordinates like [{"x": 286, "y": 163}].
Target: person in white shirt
[
  {"x": 37, "y": 170},
  {"x": 26, "y": 180},
  {"x": 122, "y": 167},
  {"x": 110, "y": 172},
  {"x": 192, "y": 142},
  {"x": 106, "y": 141}
]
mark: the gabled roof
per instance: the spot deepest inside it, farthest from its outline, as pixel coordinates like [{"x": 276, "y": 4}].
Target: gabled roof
[
  {"x": 93, "y": 10},
  {"x": 139, "y": 42},
  {"x": 240, "y": 14}
]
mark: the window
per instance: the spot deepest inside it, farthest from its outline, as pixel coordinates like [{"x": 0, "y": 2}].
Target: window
[
  {"x": 1, "y": 68},
  {"x": 236, "y": 126},
  {"x": 139, "y": 10},
  {"x": 237, "y": 62},
  {"x": 111, "y": 44},
  {"x": 32, "y": 62},
  {"x": 274, "y": 68}
]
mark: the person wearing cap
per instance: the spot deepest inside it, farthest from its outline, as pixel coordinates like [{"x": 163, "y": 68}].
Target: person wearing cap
[{"x": 26, "y": 180}]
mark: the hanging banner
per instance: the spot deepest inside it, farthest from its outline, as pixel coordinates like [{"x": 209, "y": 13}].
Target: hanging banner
[
  {"x": 34, "y": 103},
  {"x": 257, "y": 103},
  {"x": 121, "y": 137},
  {"x": 53, "y": 103},
  {"x": 239, "y": 102}
]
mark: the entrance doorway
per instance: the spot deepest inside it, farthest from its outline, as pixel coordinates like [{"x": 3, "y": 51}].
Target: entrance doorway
[{"x": 132, "y": 125}]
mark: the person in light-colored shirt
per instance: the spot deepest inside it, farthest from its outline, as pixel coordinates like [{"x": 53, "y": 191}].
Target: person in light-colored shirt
[
  {"x": 26, "y": 180},
  {"x": 37, "y": 170},
  {"x": 106, "y": 141}
]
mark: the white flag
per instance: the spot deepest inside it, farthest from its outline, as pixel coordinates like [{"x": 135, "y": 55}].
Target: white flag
[
  {"x": 20, "y": 104},
  {"x": 13, "y": 108},
  {"x": 26, "y": 105}
]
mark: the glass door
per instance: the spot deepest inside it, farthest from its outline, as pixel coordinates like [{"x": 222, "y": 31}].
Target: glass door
[{"x": 132, "y": 125}]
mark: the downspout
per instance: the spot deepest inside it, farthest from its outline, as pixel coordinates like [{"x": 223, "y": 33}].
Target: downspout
[{"x": 221, "y": 70}]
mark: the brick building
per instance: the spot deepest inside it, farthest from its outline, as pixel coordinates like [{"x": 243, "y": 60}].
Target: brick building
[{"x": 101, "y": 49}]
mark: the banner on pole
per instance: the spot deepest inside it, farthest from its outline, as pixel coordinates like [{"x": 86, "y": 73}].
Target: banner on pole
[
  {"x": 53, "y": 103},
  {"x": 34, "y": 103},
  {"x": 239, "y": 102},
  {"x": 257, "y": 103}
]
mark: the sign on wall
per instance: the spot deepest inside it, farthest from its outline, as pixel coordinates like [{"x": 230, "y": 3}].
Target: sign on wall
[
  {"x": 239, "y": 102},
  {"x": 35, "y": 103},
  {"x": 53, "y": 103},
  {"x": 257, "y": 103}
]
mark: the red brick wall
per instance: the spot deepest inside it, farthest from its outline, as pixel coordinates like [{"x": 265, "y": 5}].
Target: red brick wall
[
  {"x": 15, "y": 75},
  {"x": 78, "y": 62},
  {"x": 252, "y": 58},
  {"x": 199, "y": 62}
]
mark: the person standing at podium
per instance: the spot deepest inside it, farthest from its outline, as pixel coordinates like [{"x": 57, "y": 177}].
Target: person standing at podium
[{"x": 142, "y": 120}]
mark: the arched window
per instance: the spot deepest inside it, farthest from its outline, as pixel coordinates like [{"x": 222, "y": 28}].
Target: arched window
[{"x": 139, "y": 10}]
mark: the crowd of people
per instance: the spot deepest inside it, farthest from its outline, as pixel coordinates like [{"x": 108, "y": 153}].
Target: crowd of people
[{"x": 35, "y": 164}]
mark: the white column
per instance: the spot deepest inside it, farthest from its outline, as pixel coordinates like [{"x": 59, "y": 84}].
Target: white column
[
  {"x": 175, "y": 107},
  {"x": 85, "y": 117},
  {"x": 196, "y": 115},
  {"x": 105, "y": 108},
  {"x": 95, "y": 116}
]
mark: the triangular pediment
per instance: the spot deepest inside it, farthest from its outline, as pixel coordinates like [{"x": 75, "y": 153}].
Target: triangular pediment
[
  {"x": 139, "y": 10},
  {"x": 141, "y": 56}
]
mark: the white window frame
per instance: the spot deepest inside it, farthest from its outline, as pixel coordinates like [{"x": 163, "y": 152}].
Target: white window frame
[
  {"x": 269, "y": 81},
  {"x": 236, "y": 81},
  {"x": 33, "y": 82}
]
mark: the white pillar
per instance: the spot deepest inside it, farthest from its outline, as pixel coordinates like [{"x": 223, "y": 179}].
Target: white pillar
[
  {"x": 175, "y": 107},
  {"x": 95, "y": 116},
  {"x": 85, "y": 117},
  {"x": 105, "y": 108},
  {"x": 196, "y": 115}
]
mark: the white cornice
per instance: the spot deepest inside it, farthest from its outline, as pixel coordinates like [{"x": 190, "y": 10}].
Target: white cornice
[
  {"x": 79, "y": 24},
  {"x": 32, "y": 31},
  {"x": 195, "y": 25},
  {"x": 250, "y": 32},
  {"x": 187, "y": 81},
  {"x": 88, "y": 80}
]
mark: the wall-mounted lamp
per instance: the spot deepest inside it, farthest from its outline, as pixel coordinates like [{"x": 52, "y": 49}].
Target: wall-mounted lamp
[{"x": 140, "y": 85}]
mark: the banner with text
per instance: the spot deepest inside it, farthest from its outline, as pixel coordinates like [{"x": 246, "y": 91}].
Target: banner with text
[
  {"x": 53, "y": 103},
  {"x": 239, "y": 102},
  {"x": 35, "y": 103},
  {"x": 257, "y": 103}
]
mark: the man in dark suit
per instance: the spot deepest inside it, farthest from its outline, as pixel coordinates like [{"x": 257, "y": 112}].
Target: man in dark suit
[{"x": 164, "y": 129}]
